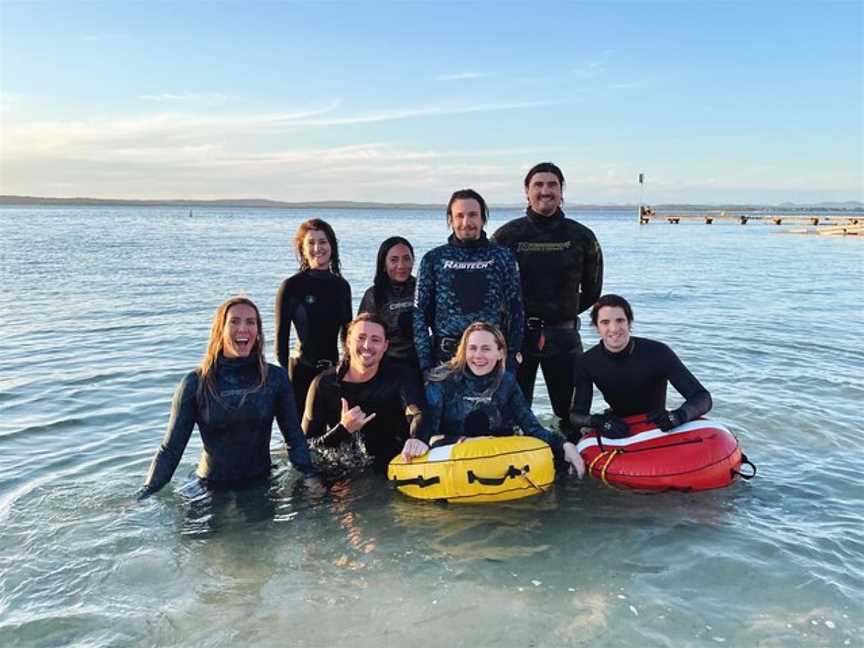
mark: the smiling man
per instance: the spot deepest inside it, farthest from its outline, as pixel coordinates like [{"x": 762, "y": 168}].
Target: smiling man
[
  {"x": 467, "y": 280},
  {"x": 561, "y": 266},
  {"x": 363, "y": 412}
]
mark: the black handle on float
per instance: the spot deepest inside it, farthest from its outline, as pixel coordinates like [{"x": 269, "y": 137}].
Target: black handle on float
[
  {"x": 512, "y": 473},
  {"x": 745, "y": 462},
  {"x": 419, "y": 480}
]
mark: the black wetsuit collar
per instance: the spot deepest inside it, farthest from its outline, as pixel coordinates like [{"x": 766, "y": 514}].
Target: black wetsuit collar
[
  {"x": 403, "y": 288},
  {"x": 623, "y": 353},
  {"x": 544, "y": 222},
  {"x": 472, "y": 243},
  {"x": 236, "y": 363},
  {"x": 320, "y": 274}
]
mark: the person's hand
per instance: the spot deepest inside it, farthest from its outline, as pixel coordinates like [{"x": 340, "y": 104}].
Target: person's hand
[
  {"x": 665, "y": 420},
  {"x": 572, "y": 456},
  {"x": 354, "y": 419},
  {"x": 414, "y": 448},
  {"x": 314, "y": 485},
  {"x": 610, "y": 426}
]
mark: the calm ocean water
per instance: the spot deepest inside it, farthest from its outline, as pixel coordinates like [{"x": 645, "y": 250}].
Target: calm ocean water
[{"x": 104, "y": 309}]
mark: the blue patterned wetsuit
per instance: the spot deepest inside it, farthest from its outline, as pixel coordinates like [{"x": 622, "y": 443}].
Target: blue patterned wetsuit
[
  {"x": 235, "y": 428},
  {"x": 469, "y": 405},
  {"x": 460, "y": 283}
]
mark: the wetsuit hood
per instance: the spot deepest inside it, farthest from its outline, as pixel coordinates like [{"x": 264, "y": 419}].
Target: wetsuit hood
[{"x": 473, "y": 243}]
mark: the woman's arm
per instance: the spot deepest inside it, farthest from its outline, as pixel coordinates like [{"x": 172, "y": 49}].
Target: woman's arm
[
  {"x": 283, "y": 314},
  {"x": 286, "y": 417},
  {"x": 184, "y": 414}
]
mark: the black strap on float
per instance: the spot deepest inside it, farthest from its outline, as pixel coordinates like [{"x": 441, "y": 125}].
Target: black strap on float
[
  {"x": 512, "y": 473},
  {"x": 419, "y": 480},
  {"x": 745, "y": 462}
]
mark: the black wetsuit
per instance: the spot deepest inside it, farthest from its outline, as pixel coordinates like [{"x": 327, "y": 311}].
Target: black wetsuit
[
  {"x": 394, "y": 394},
  {"x": 468, "y": 405},
  {"x": 633, "y": 381},
  {"x": 561, "y": 267},
  {"x": 318, "y": 303},
  {"x": 235, "y": 428},
  {"x": 397, "y": 311},
  {"x": 460, "y": 283}
]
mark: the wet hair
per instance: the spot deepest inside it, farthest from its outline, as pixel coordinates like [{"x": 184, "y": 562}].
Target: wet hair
[
  {"x": 467, "y": 194},
  {"x": 544, "y": 167},
  {"x": 456, "y": 365},
  {"x": 382, "y": 279},
  {"x": 321, "y": 226},
  {"x": 372, "y": 318},
  {"x": 615, "y": 301},
  {"x": 209, "y": 363}
]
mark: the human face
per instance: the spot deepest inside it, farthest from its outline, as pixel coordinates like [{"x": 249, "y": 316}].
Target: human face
[
  {"x": 366, "y": 345},
  {"x": 613, "y": 327},
  {"x": 399, "y": 263},
  {"x": 544, "y": 193},
  {"x": 316, "y": 250},
  {"x": 466, "y": 219},
  {"x": 240, "y": 332},
  {"x": 482, "y": 353}
]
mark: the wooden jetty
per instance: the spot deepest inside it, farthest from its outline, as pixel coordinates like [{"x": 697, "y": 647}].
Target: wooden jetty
[{"x": 832, "y": 224}]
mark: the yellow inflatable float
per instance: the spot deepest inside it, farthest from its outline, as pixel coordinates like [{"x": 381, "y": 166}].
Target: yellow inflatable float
[{"x": 486, "y": 469}]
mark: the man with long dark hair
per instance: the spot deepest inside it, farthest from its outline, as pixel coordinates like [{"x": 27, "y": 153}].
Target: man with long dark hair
[{"x": 467, "y": 280}]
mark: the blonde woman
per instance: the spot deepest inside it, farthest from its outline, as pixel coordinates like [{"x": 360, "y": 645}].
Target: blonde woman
[
  {"x": 233, "y": 398},
  {"x": 472, "y": 395}
]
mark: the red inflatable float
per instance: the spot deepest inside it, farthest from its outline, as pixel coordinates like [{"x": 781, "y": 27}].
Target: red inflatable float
[{"x": 698, "y": 455}]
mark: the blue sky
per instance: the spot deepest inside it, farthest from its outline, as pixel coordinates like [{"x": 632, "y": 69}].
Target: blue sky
[{"x": 717, "y": 102}]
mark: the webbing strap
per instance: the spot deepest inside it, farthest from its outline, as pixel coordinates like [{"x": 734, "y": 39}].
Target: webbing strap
[
  {"x": 745, "y": 462},
  {"x": 512, "y": 473},
  {"x": 610, "y": 455},
  {"x": 419, "y": 480}
]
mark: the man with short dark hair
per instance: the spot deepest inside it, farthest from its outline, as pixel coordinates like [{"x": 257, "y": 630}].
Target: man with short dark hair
[
  {"x": 467, "y": 280},
  {"x": 364, "y": 412},
  {"x": 561, "y": 267}
]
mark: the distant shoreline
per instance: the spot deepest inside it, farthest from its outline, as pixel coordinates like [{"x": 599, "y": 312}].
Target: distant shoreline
[{"x": 253, "y": 203}]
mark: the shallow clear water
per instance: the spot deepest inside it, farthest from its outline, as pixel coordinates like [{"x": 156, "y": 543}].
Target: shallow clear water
[{"x": 106, "y": 308}]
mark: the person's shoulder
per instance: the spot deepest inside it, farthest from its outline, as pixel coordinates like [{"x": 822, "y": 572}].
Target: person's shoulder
[
  {"x": 509, "y": 229},
  {"x": 368, "y": 299},
  {"x": 508, "y": 382},
  {"x": 579, "y": 230},
  {"x": 653, "y": 346},
  {"x": 593, "y": 353},
  {"x": 293, "y": 281},
  {"x": 275, "y": 373}
]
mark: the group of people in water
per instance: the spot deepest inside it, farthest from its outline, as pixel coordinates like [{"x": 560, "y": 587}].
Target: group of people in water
[{"x": 440, "y": 359}]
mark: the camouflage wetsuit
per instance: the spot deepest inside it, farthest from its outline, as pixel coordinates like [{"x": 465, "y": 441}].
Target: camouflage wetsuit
[
  {"x": 468, "y": 405},
  {"x": 561, "y": 267},
  {"x": 460, "y": 283}
]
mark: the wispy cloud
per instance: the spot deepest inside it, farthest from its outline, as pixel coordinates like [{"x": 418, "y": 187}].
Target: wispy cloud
[
  {"x": 593, "y": 68},
  {"x": 104, "y": 36},
  {"x": 196, "y": 98},
  {"x": 461, "y": 76},
  {"x": 631, "y": 85}
]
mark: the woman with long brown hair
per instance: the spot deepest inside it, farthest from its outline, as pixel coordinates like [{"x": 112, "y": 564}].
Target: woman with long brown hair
[
  {"x": 232, "y": 397},
  {"x": 317, "y": 301},
  {"x": 472, "y": 395}
]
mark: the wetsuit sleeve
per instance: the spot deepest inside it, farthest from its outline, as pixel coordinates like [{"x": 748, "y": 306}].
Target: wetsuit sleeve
[
  {"x": 583, "y": 394},
  {"x": 424, "y": 304},
  {"x": 526, "y": 420},
  {"x": 434, "y": 408},
  {"x": 315, "y": 418},
  {"x": 414, "y": 402},
  {"x": 367, "y": 304},
  {"x": 283, "y": 314},
  {"x": 515, "y": 308},
  {"x": 592, "y": 275},
  {"x": 347, "y": 313},
  {"x": 698, "y": 399},
  {"x": 184, "y": 414},
  {"x": 286, "y": 417}
]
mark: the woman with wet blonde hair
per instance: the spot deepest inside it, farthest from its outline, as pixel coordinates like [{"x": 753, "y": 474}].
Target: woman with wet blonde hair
[
  {"x": 233, "y": 398},
  {"x": 473, "y": 395}
]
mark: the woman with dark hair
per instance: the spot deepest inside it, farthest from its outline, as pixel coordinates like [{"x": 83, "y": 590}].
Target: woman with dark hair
[
  {"x": 472, "y": 395},
  {"x": 632, "y": 373},
  {"x": 317, "y": 301},
  {"x": 391, "y": 297},
  {"x": 233, "y": 398}
]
